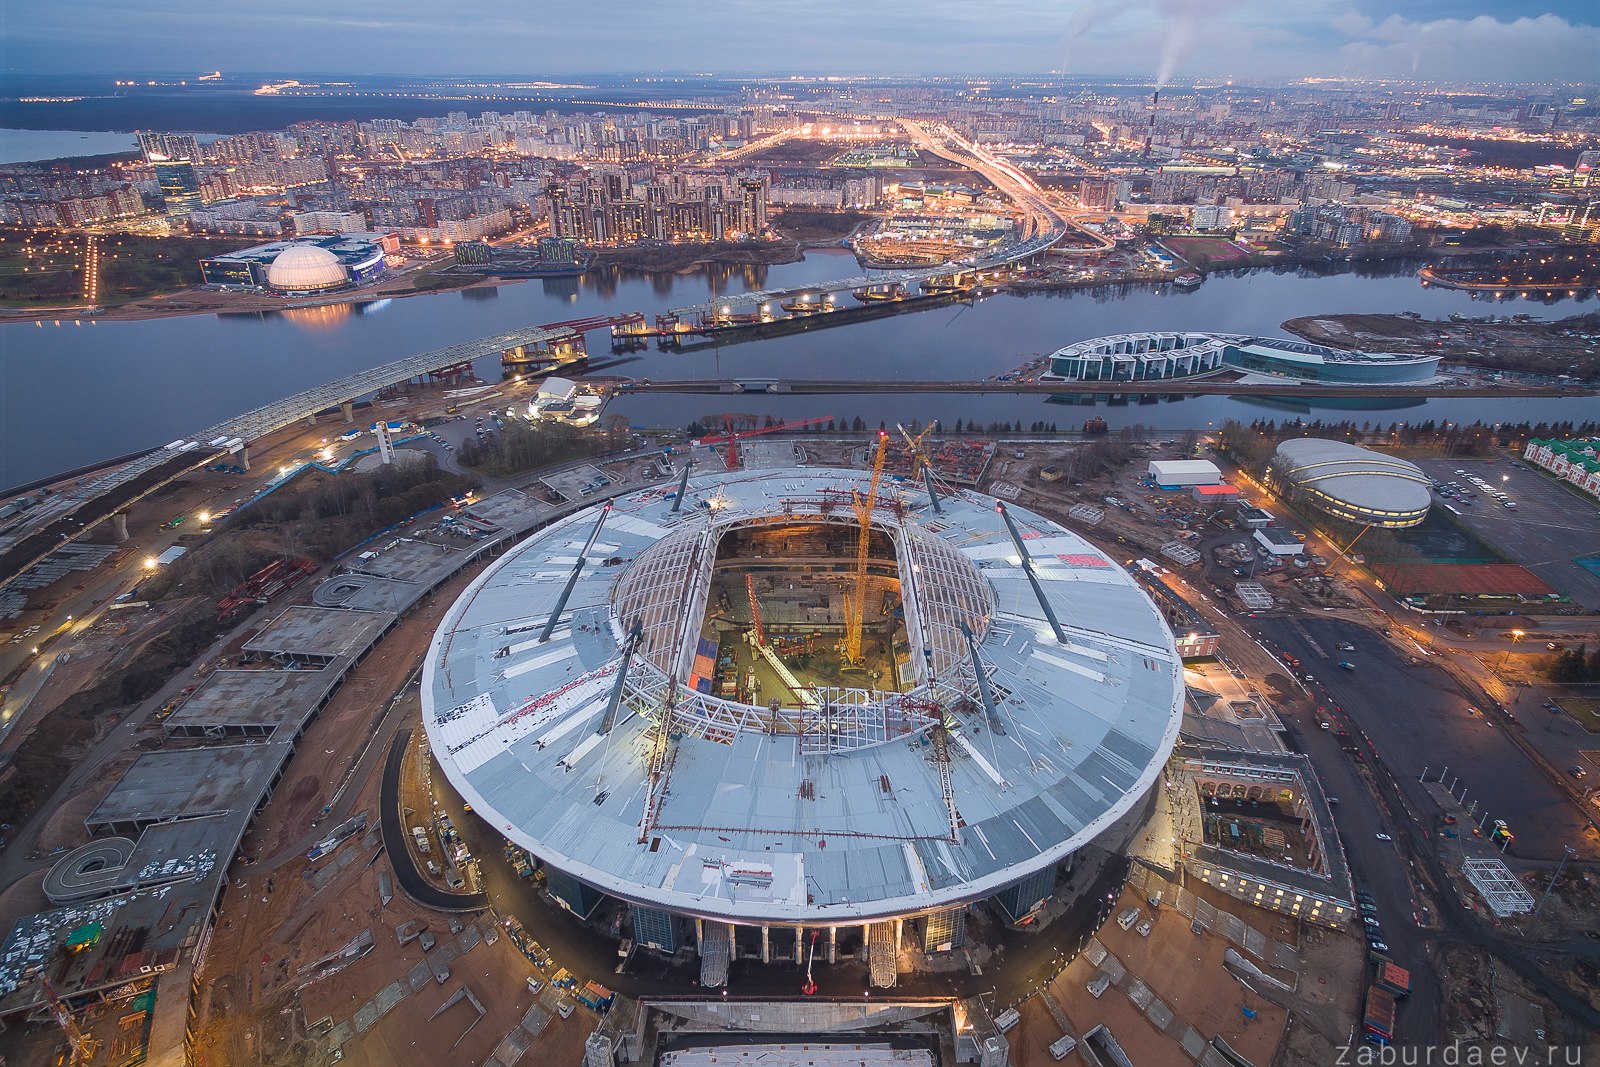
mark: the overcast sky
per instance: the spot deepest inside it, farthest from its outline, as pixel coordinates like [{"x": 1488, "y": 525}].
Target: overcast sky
[{"x": 1501, "y": 40}]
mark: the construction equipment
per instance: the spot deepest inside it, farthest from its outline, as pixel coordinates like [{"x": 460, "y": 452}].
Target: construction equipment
[
  {"x": 920, "y": 463},
  {"x": 856, "y": 609},
  {"x": 83, "y": 1045},
  {"x": 732, "y": 437},
  {"x": 755, "y": 610},
  {"x": 919, "y": 453}
]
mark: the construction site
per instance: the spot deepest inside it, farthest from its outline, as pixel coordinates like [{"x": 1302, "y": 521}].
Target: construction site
[{"x": 785, "y": 713}]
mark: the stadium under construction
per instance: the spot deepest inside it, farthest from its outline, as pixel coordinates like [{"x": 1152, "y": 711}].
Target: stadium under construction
[{"x": 775, "y": 708}]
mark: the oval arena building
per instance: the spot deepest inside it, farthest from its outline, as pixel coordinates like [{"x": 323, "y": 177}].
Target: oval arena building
[
  {"x": 748, "y": 719},
  {"x": 1350, "y": 482}
]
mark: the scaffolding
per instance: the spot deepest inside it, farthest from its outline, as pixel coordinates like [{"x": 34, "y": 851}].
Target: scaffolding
[
  {"x": 715, "y": 949},
  {"x": 1500, "y": 889},
  {"x": 880, "y": 954}
]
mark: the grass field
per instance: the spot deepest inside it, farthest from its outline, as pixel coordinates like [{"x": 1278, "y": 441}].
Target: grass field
[
  {"x": 45, "y": 268},
  {"x": 1585, "y": 711},
  {"x": 1207, "y": 251}
]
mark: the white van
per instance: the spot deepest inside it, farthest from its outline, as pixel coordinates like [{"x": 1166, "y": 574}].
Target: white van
[{"x": 1128, "y": 918}]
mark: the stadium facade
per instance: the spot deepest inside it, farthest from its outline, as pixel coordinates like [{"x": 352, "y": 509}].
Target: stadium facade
[
  {"x": 1138, "y": 357},
  {"x": 656, "y": 697}
]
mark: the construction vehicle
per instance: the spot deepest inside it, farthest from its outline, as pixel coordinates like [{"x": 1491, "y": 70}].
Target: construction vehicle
[
  {"x": 1377, "y": 1017},
  {"x": 1391, "y": 977},
  {"x": 856, "y": 610}
]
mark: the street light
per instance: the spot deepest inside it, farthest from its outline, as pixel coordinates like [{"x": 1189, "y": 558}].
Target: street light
[{"x": 1567, "y": 853}]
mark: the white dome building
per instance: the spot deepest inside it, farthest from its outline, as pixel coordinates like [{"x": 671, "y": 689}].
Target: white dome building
[{"x": 306, "y": 268}]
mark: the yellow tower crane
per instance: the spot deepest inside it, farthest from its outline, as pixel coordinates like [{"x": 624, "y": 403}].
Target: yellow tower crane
[
  {"x": 919, "y": 453},
  {"x": 856, "y": 609}
]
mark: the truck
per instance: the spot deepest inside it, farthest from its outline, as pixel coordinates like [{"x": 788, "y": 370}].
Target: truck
[
  {"x": 420, "y": 837},
  {"x": 1007, "y": 1019},
  {"x": 1377, "y": 1017},
  {"x": 1128, "y": 917},
  {"x": 596, "y": 997},
  {"x": 1391, "y": 977},
  {"x": 563, "y": 979},
  {"x": 1062, "y": 1047}
]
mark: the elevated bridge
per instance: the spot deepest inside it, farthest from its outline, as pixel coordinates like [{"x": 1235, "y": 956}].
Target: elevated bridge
[{"x": 70, "y": 515}]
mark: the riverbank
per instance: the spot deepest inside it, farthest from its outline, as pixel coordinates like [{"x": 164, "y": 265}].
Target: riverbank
[
  {"x": 1569, "y": 346},
  {"x": 422, "y": 280}
]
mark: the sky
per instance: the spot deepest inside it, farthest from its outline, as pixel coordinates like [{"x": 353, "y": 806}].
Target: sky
[{"x": 1434, "y": 40}]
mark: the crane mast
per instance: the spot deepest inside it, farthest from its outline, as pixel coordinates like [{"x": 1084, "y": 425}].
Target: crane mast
[{"x": 856, "y": 609}]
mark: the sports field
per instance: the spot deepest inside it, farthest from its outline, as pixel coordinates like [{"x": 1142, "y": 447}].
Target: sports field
[{"x": 1207, "y": 251}]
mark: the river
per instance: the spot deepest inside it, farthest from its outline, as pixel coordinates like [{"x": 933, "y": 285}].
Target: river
[
  {"x": 30, "y": 146},
  {"x": 76, "y": 393}
]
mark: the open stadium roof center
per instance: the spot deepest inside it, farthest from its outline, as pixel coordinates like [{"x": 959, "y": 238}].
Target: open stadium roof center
[{"x": 657, "y": 703}]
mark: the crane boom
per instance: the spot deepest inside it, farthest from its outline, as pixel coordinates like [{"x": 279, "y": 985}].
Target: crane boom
[
  {"x": 755, "y": 610},
  {"x": 856, "y": 610}
]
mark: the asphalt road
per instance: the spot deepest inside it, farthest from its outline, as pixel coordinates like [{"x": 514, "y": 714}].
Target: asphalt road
[
  {"x": 1415, "y": 718},
  {"x": 411, "y": 881}
]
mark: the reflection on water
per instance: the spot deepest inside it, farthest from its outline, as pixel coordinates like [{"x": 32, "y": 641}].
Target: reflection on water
[{"x": 217, "y": 366}]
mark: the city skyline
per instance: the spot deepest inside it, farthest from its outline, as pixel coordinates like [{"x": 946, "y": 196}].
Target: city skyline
[{"x": 1172, "y": 40}]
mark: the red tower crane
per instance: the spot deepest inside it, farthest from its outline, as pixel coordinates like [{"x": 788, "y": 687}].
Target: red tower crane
[{"x": 732, "y": 437}]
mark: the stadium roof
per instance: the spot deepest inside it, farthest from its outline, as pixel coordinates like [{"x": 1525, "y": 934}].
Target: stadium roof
[
  {"x": 1365, "y": 480},
  {"x": 843, "y": 819}
]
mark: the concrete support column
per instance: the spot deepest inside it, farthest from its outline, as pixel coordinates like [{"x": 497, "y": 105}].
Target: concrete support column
[
  {"x": 897, "y": 925},
  {"x": 244, "y": 457},
  {"x": 799, "y": 943},
  {"x": 311, "y": 419},
  {"x": 699, "y": 936},
  {"x": 766, "y": 944},
  {"x": 733, "y": 943},
  {"x": 119, "y": 523},
  {"x": 348, "y": 410},
  {"x": 833, "y": 944},
  {"x": 866, "y": 940}
]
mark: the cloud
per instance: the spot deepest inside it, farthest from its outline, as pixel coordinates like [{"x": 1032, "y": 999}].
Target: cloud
[{"x": 1485, "y": 48}]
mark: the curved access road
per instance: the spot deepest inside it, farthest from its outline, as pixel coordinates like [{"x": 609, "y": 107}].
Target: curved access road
[{"x": 412, "y": 883}]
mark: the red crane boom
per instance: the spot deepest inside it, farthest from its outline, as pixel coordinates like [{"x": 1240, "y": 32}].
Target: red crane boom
[{"x": 732, "y": 437}]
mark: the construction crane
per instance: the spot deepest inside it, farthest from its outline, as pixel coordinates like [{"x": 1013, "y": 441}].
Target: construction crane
[
  {"x": 755, "y": 610},
  {"x": 919, "y": 454},
  {"x": 856, "y": 608},
  {"x": 83, "y": 1045},
  {"x": 732, "y": 437}
]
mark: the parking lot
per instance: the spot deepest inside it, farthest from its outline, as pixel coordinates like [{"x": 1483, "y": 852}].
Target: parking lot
[{"x": 1550, "y": 525}]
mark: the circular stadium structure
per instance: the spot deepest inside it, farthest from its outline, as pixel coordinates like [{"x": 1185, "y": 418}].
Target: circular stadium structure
[
  {"x": 1350, "y": 482},
  {"x": 743, "y": 709},
  {"x": 306, "y": 268}
]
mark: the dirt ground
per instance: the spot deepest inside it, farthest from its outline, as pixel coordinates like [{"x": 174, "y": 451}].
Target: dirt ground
[
  {"x": 1201, "y": 993},
  {"x": 1540, "y": 347}
]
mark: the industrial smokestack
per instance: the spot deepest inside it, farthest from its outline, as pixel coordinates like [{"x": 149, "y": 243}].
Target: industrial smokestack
[
  {"x": 1146, "y": 153},
  {"x": 1155, "y": 101}
]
